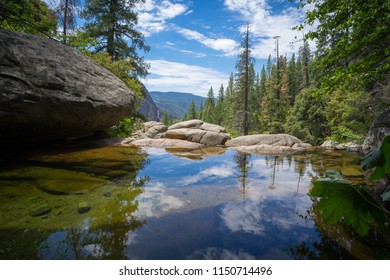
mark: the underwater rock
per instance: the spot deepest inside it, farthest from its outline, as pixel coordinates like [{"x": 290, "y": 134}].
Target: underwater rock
[
  {"x": 351, "y": 171},
  {"x": 41, "y": 210},
  {"x": 83, "y": 207}
]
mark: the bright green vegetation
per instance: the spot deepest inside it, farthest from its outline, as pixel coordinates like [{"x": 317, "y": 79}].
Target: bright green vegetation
[{"x": 29, "y": 16}]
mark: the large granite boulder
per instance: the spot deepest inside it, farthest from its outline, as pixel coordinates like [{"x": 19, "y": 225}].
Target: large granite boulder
[
  {"x": 198, "y": 131},
  {"x": 378, "y": 130},
  {"x": 49, "y": 91},
  {"x": 264, "y": 139},
  {"x": 349, "y": 146},
  {"x": 151, "y": 129},
  {"x": 267, "y": 144},
  {"x": 192, "y": 134}
]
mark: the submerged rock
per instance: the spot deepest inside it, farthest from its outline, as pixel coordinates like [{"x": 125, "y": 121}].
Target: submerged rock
[
  {"x": 351, "y": 171},
  {"x": 41, "y": 210},
  {"x": 83, "y": 207},
  {"x": 50, "y": 91}
]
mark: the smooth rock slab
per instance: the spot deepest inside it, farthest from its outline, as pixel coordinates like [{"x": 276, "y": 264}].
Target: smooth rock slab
[
  {"x": 50, "y": 91},
  {"x": 162, "y": 143},
  {"x": 264, "y": 139}
]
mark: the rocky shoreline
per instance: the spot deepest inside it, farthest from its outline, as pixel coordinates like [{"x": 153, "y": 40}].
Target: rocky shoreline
[{"x": 196, "y": 134}]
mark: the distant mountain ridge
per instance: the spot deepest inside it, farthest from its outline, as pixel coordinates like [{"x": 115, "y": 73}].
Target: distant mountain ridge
[{"x": 175, "y": 103}]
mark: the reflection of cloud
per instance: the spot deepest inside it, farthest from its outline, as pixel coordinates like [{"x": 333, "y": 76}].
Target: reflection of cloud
[
  {"x": 256, "y": 217},
  {"x": 155, "y": 151},
  {"x": 131, "y": 238},
  {"x": 222, "y": 171},
  {"x": 213, "y": 253},
  {"x": 94, "y": 250},
  {"x": 243, "y": 216},
  {"x": 155, "y": 202}
]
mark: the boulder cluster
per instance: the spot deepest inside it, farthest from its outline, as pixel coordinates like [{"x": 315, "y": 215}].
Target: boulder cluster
[{"x": 196, "y": 134}]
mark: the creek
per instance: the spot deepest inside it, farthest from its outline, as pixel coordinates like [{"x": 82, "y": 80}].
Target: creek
[{"x": 128, "y": 203}]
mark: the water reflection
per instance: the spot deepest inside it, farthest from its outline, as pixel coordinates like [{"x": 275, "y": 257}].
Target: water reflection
[{"x": 125, "y": 203}]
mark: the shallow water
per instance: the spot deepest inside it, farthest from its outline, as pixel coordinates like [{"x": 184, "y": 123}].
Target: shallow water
[{"x": 127, "y": 203}]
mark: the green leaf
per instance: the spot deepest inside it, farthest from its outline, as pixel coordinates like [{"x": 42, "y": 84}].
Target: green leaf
[
  {"x": 373, "y": 159},
  {"x": 385, "y": 148},
  {"x": 343, "y": 201},
  {"x": 378, "y": 173}
]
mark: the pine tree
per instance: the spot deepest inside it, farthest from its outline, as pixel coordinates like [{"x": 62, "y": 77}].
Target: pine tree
[
  {"x": 229, "y": 102},
  {"x": 165, "y": 118},
  {"x": 243, "y": 86},
  {"x": 292, "y": 79},
  {"x": 209, "y": 107},
  {"x": 220, "y": 107},
  {"x": 201, "y": 110},
  {"x": 112, "y": 23},
  {"x": 191, "y": 115},
  {"x": 305, "y": 57}
]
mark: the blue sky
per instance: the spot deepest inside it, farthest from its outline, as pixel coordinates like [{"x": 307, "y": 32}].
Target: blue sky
[{"x": 195, "y": 43}]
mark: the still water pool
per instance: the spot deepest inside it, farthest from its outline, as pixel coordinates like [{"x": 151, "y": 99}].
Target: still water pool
[{"x": 127, "y": 203}]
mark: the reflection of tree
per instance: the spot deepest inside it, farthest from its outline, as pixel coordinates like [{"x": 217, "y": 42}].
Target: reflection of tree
[
  {"x": 243, "y": 164},
  {"x": 272, "y": 185},
  {"x": 300, "y": 164}
]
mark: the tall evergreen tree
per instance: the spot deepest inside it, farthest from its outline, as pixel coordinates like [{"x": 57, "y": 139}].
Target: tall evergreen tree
[
  {"x": 209, "y": 107},
  {"x": 201, "y": 109},
  {"x": 244, "y": 85},
  {"x": 219, "y": 114},
  {"x": 191, "y": 115},
  {"x": 292, "y": 79},
  {"x": 112, "y": 23}
]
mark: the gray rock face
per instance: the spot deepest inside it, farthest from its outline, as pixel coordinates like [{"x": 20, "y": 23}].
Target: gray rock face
[
  {"x": 49, "y": 91},
  {"x": 378, "y": 130},
  {"x": 148, "y": 108}
]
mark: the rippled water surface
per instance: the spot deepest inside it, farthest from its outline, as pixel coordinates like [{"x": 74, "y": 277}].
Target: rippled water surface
[{"x": 127, "y": 203}]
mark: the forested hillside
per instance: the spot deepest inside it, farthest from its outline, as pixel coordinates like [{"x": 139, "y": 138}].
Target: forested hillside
[{"x": 332, "y": 92}]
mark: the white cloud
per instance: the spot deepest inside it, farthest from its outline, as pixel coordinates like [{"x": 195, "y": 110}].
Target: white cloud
[
  {"x": 153, "y": 15},
  {"x": 229, "y": 47},
  {"x": 265, "y": 24},
  {"x": 166, "y": 75}
]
